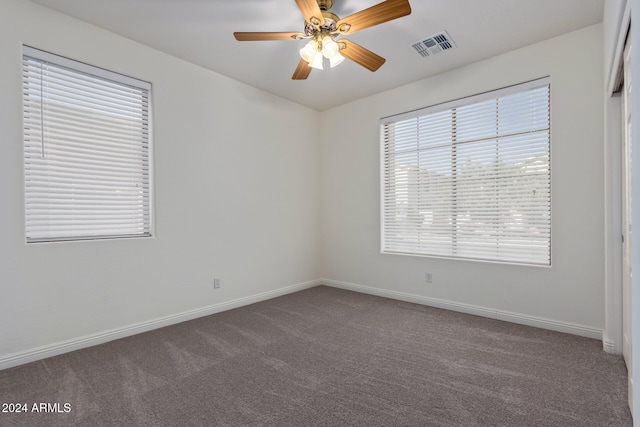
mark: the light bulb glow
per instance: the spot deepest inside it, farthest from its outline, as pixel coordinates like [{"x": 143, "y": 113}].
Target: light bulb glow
[
  {"x": 329, "y": 47},
  {"x": 309, "y": 51},
  {"x": 317, "y": 61},
  {"x": 336, "y": 60}
]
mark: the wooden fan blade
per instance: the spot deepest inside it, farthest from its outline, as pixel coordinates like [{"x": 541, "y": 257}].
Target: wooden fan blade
[
  {"x": 246, "y": 37},
  {"x": 378, "y": 14},
  {"x": 311, "y": 12},
  {"x": 359, "y": 54},
  {"x": 302, "y": 71}
]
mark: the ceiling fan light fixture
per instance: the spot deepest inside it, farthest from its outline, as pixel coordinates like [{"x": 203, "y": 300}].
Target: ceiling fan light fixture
[
  {"x": 323, "y": 27},
  {"x": 336, "y": 60},
  {"x": 317, "y": 61},
  {"x": 308, "y": 52},
  {"x": 329, "y": 47}
]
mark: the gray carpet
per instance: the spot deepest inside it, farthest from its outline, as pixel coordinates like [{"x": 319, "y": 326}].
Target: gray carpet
[{"x": 328, "y": 357}]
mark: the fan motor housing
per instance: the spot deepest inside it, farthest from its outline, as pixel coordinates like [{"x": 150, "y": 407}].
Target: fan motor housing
[{"x": 330, "y": 16}]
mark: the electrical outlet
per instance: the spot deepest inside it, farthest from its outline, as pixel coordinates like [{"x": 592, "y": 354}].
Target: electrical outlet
[
  {"x": 429, "y": 278},
  {"x": 216, "y": 283}
]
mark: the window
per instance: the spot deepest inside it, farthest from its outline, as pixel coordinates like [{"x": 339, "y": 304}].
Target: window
[
  {"x": 470, "y": 178},
  {"x": 86, "y": 151}
]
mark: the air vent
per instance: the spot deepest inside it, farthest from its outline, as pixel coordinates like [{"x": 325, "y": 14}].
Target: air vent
[{"x": 435, "y": 44}]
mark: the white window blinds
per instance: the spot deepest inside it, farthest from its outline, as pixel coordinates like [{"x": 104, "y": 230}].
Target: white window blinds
[
  {"x": 470, "y": 178},
  {"x": 86, "y": 151}
]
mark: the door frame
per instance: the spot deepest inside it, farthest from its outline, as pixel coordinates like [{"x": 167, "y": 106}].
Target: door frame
[{"x": 627, "y": 217}]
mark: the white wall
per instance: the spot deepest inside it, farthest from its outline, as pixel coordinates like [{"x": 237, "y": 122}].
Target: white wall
[
  {"x": 236, "y": 197},
  {"x": 243, "y": 194},
  {"x": 567, "y": 296}
]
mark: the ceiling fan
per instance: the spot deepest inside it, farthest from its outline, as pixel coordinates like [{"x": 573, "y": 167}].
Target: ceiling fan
[{"x": 323, "y": 28}]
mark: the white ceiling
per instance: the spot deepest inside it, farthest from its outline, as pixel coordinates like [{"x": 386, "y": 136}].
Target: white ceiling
[{"x": 201, "y": 32}]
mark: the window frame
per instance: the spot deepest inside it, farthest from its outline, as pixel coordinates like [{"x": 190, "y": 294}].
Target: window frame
[
  {"x": 450, "y": 106},
  {"x": 80, "y": 69}
]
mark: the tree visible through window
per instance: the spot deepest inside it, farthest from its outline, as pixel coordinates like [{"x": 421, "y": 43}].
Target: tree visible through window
[
  {"x": 471, "y": 178},
  {"x": 86, "y": 151}
]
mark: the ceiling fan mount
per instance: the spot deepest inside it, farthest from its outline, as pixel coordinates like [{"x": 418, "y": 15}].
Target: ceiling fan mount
[
  {"x": 323, "y": 28},
  {"x": 325, "y": 4}
]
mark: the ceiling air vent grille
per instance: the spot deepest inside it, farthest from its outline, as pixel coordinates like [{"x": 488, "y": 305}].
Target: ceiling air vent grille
[{"x": 435, "y": 44}]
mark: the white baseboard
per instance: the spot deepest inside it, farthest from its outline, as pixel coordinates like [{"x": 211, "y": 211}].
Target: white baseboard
[
  {"x": 43, "y": 352},
  {"x": 538, "y": 322},
  {"x": 610, "y": 346}
]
